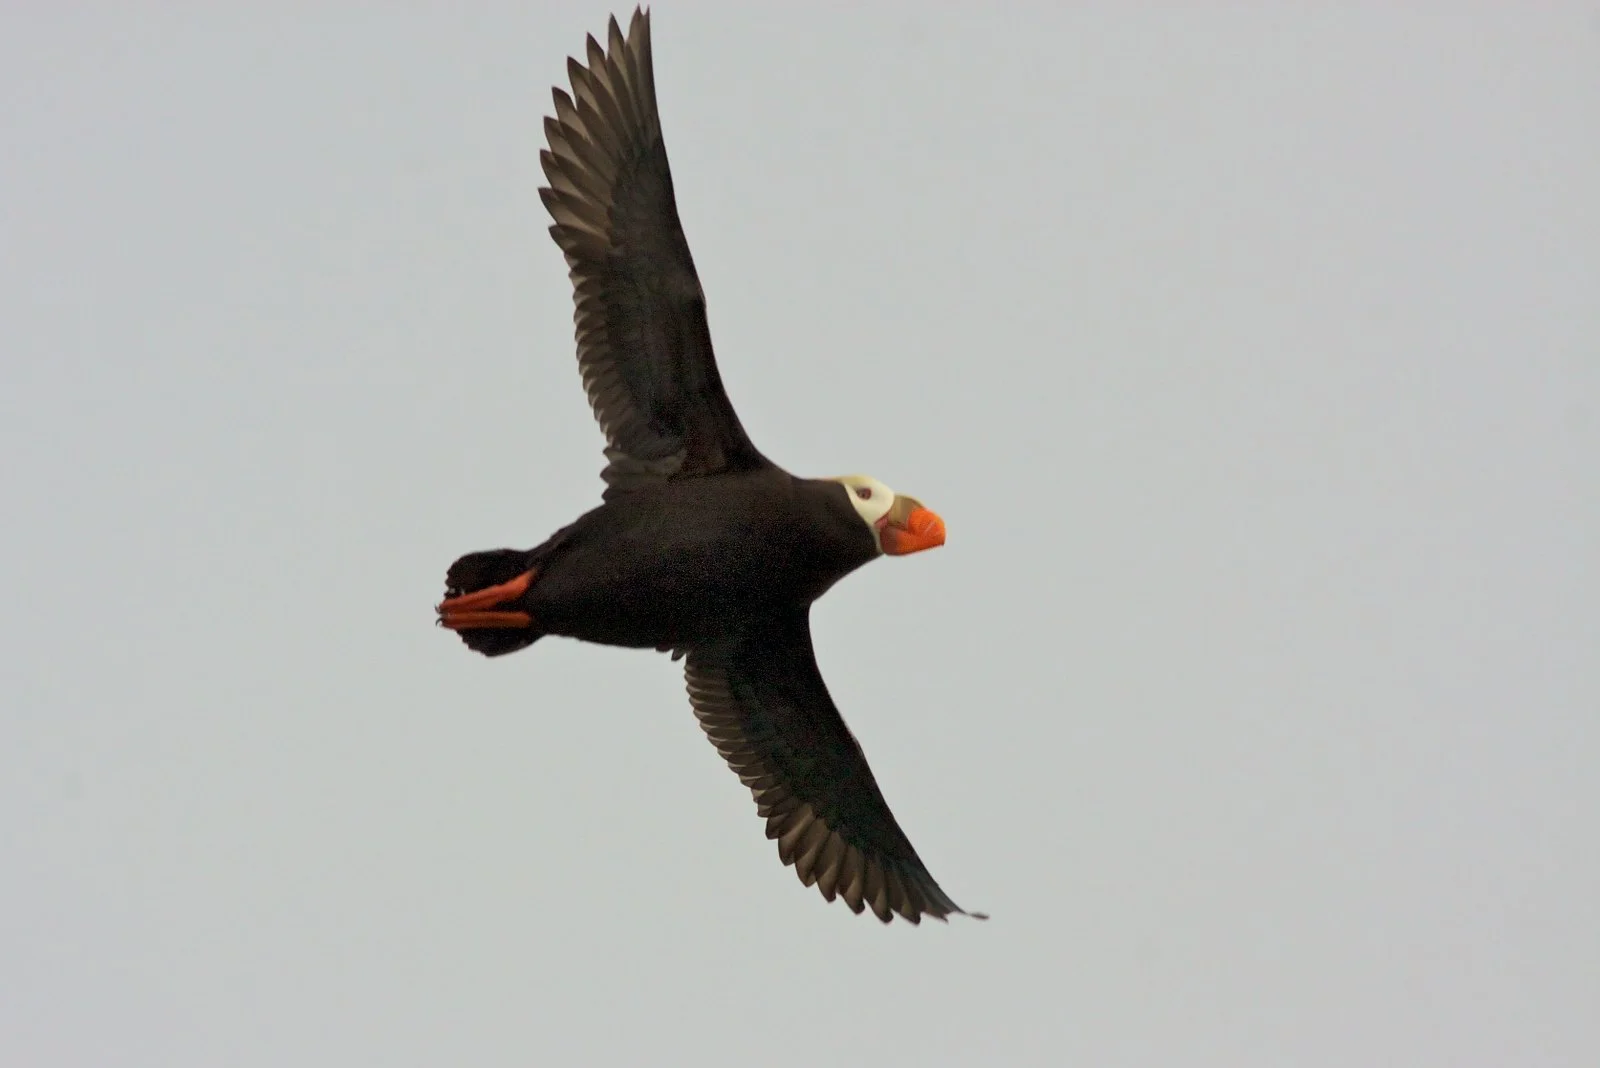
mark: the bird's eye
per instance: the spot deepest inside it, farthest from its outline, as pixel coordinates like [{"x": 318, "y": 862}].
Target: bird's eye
[{"x": 864, "y": 492}]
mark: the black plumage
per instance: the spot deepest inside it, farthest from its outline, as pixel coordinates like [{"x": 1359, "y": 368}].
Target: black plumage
[{"x": 702, "y": 547}]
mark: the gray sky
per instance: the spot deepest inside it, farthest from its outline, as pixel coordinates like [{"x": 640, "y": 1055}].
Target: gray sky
[{"x": 1250, "y": 356}]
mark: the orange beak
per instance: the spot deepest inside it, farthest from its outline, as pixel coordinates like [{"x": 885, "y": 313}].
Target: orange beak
[{"x": 910, "y": 528}]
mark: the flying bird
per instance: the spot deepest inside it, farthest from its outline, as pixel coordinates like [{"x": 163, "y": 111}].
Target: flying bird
[{"x": 702, "y": 547}]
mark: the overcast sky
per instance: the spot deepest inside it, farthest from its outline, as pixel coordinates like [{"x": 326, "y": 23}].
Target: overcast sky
[{"x": 1252, "y": 357}]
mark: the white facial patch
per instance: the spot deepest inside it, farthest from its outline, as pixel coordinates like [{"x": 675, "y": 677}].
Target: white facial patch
[{"x": 872, "y": 500}]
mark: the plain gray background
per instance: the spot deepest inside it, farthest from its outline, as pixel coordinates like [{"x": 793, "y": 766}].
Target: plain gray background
[{"x": 1251, "y": 354}]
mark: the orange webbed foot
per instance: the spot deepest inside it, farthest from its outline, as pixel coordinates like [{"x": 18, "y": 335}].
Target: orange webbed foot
[{"x": 480, "y": 607}]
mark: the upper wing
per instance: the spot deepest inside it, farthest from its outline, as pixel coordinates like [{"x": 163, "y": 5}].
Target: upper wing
[
  {"x": 764, "y": 705},
  {"x": 644, "y": 348}
]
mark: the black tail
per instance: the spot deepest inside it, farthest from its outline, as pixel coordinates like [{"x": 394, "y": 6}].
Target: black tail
[{"x": 477, "y": 571}]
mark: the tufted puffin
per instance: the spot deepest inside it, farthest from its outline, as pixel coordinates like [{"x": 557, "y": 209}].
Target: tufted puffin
[{"x": 702, "y": 546}]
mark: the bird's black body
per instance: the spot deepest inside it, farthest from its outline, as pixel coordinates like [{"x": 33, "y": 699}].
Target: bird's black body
[
  {"x": 677, "y": 565},
  {"x": 702, "y": 547}
]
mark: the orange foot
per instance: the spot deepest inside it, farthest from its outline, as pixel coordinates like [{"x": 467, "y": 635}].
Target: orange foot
[{"x": 479, "y": 608}]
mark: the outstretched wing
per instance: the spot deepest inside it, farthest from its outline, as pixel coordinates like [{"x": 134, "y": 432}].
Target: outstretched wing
[
  {"x": 644, "y": 348},
  {"x": 763, "y": 703}
]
